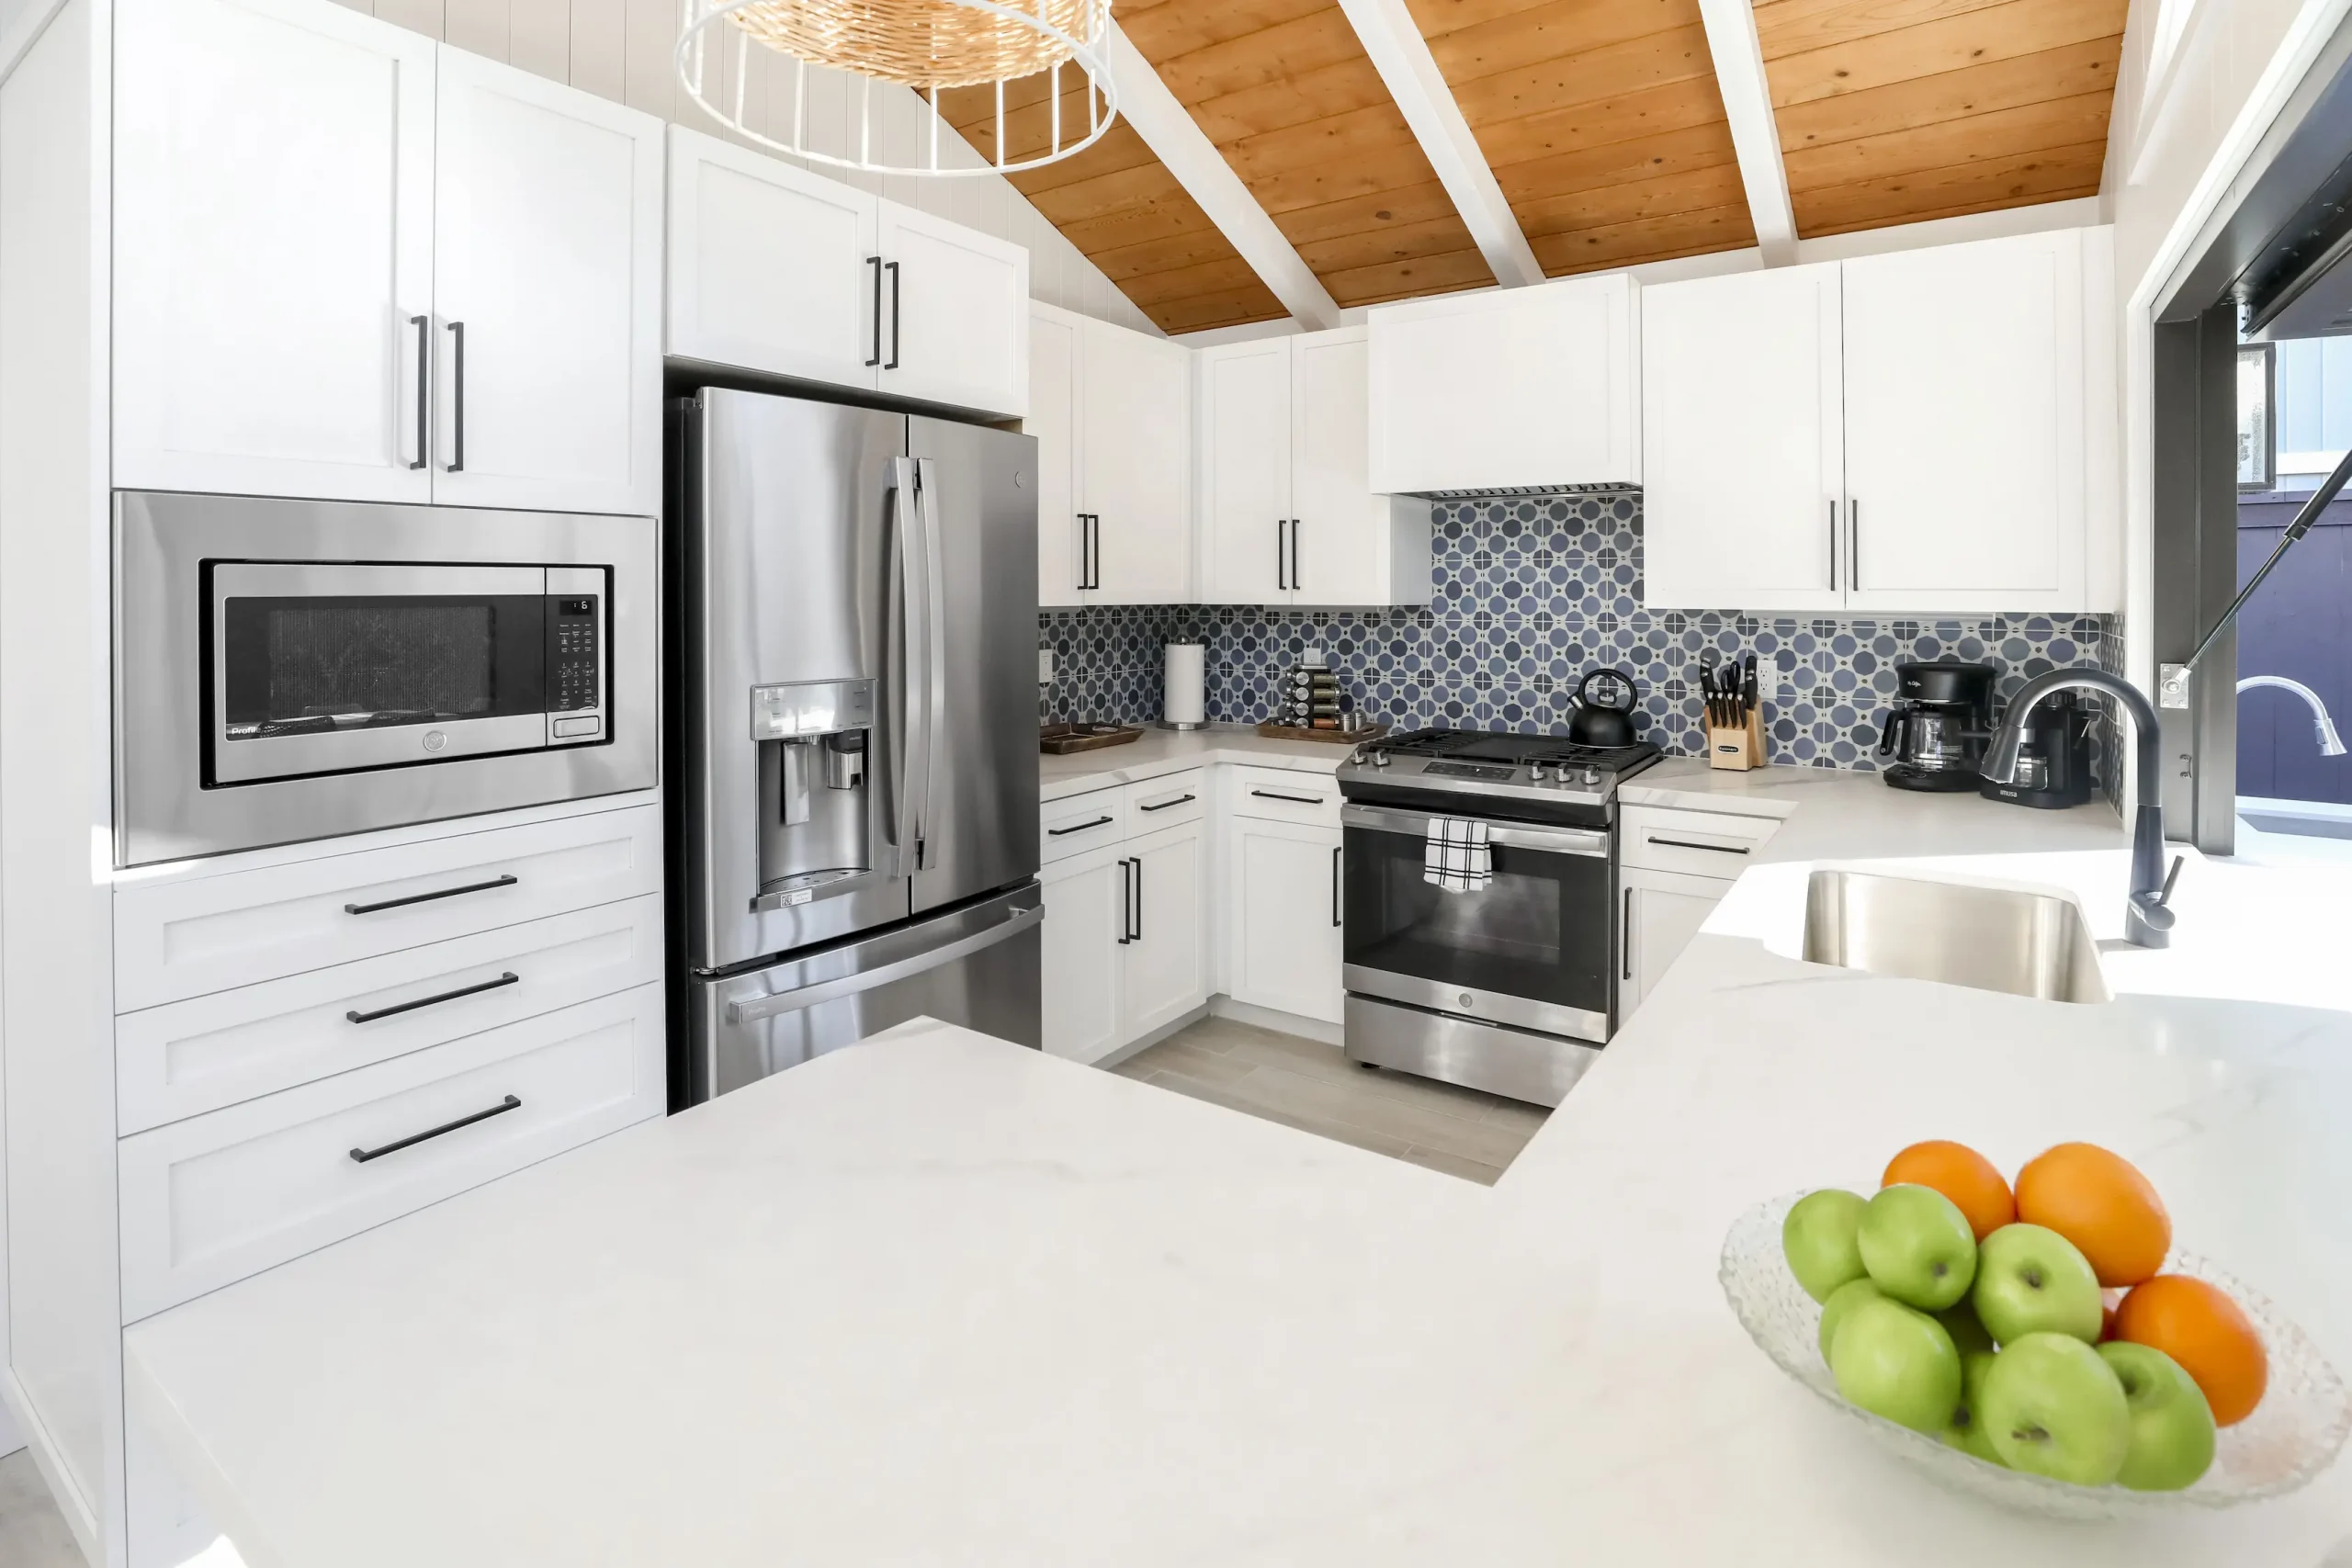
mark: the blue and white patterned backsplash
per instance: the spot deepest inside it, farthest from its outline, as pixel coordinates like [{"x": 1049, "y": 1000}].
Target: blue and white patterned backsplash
[{"x": 1529, "y": 596}]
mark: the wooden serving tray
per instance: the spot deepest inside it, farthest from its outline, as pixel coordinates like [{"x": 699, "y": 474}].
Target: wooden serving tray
[
  {"x": 1274, "y": 731},
  {"x": 1061, "y": 739}
]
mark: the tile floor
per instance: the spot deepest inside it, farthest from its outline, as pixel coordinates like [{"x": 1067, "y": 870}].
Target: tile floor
[
  {"x": 32, "y": 1532},
  {"x": 1308, "y": 1085}
]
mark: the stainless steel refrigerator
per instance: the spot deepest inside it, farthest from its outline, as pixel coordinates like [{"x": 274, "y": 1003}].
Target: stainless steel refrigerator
[{"x": 854, "y": 787}]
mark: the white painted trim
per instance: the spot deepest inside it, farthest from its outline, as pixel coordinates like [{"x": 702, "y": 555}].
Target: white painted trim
[
  {"x": 1168, "y": 129},
  {"x": 1748, "y": 104},
  {"x": 21, "y": 37},
  {"x": 1224, "y": 1005},
  {"x": 1401, "y": 55},
  {"x": 80, "y": 1517}
]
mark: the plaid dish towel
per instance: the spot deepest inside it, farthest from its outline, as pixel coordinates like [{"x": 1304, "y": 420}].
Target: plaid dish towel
[{"x": 1456, "y": 858}]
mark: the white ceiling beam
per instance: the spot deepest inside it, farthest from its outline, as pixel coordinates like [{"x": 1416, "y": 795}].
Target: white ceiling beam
[
  {"x": 1401, "y": 55},
  {"x": 1747, "y": 103},
  {"x": 1169, "y": 130}
]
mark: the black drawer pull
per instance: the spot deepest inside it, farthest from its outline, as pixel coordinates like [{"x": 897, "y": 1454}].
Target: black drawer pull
[
  {"x": 501, "y": 1109},
  {"x": 1078, "y": 828},
  {"x": 1166, "y": 804},
  {"x": 1687, "y": 844},
  {"x": 428, "y": 898},
  {"x": 1293, "y": 799},
  {"x": 508, "y": 978}
]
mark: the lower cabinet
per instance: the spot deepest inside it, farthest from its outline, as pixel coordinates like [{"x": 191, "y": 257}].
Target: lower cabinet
[
  {"x": 1662, "y": 911},
  {"x": 1124, "y": 950},
  {"x": 1286, "y": 916}
]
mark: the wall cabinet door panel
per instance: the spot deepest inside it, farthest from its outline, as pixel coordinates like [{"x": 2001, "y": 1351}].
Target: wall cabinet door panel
[
  {"x": 1053, "y": 418},
  {"x": 273, "y": 244},
  {"x": 955, "y": 308},
  {"x": 1135, "y": 457},
  {"x": 547, "y": 285},
  {"x": 1246, "y": 476}
]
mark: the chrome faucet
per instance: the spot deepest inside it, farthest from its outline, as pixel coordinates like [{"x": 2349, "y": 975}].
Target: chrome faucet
[
  {"x": 2329, "y": 745},
  {"x": 2147, "y": 921}
]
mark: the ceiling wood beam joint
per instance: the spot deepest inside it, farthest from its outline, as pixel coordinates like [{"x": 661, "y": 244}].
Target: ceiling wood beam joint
[{"x": 1755, "y": 138}]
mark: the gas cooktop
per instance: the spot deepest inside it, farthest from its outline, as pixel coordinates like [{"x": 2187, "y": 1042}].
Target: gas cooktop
[{"x": 1510, "y": 772}]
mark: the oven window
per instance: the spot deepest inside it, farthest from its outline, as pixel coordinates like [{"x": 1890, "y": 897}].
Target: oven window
[
  {"x": 317, "y": 665},
  {"x": 1540, "y": 930}
]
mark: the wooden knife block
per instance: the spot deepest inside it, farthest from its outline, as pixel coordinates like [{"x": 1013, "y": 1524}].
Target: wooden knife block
[{"x": 1737, "y": 748}]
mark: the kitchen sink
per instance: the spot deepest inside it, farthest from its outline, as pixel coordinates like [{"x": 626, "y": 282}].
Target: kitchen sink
[{"x": 1996, "y": 939}]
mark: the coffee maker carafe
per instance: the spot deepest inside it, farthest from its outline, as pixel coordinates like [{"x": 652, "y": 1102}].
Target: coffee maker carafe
[
  {"x": 1937, "y": 730},
  {"x": 2053, "y": 757}
]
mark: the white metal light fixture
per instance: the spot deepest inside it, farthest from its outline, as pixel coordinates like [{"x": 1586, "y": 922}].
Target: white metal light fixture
[{"x": 930, "y": 46}]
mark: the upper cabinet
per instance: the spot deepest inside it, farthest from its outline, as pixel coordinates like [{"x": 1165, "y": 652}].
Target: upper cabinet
[
  {"x": 353, "y": 263},
  {"x": 1925, "y": 431},
  {"x": 1287, "y": 512},
  {"x": 1516, "y": 387},
  {"x": 1112, "y": 412},
  {"x": 775, "y": 269}
]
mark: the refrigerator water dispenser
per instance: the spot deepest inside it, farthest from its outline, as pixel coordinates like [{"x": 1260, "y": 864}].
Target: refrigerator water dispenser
[{"x": 815, "y": 816}]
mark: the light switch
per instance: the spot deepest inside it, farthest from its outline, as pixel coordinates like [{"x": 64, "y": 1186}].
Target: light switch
[{"x": 1045, "y": 667}]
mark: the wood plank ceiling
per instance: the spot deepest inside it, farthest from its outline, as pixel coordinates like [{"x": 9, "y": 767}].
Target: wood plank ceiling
[{"x": 1892, "y": 111}]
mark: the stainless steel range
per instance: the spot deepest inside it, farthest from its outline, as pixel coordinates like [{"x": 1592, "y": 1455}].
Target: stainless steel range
[{"x": 1510, "y": 986}]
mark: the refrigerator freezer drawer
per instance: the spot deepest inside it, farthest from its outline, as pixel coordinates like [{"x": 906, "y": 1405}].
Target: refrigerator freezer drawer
[{"x": 976, "y": 965}]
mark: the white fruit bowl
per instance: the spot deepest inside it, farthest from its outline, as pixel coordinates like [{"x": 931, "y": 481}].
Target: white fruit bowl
[{"x": 2290, "y": 1438}]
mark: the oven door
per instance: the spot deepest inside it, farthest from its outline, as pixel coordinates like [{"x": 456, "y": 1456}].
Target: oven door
[
  {"x": 1532, "y": 949},
  {"x": 323, "y": 667}
]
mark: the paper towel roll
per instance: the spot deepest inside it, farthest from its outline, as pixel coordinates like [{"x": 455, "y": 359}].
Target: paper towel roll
[{"x": 1183, "y": 705}]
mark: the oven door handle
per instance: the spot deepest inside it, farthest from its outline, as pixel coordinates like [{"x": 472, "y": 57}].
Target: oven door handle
[{"x": 1590, "y": 842}]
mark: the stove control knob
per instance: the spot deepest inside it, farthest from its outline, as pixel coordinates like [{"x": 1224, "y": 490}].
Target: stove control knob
[
  {"x": 1380, "y": 758},
  {"x": 1535, "y": 772},
  {"x": 1593, "y": 775}
]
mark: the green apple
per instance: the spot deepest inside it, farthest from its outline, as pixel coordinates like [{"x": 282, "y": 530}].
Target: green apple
[
  {"x": 1967, "y": 1333},
  {"x": 1818, "y": 1240},
  {"x": 2054, "y": 1407},
  {"x": 1966, "y": 1431},
  {"x": 1917, "y": 1245},
  {"x": 1897, "y": 1363},
  {"x": 1841, "y": 1300},
  {"x": 2172, "y": 1427},
  {"x": 2033, "y": 1280}
]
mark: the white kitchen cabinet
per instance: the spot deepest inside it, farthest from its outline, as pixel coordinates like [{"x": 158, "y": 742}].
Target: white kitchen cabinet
[
  {"x": 1077, "y": 962},
  {"x": 1536, "y": 386},
  {"x": 546, "y": 294},
  {"x": 1163, "y": 967},
  {"x": 955, "y": 303},
  {"x": 1662, "y": 911},
  {"x": 770, "y": 268},
  {"x": 1284, "y": 916},
  {"x": 1288, "y": 513},
  {"x": 1111, "y": 411},
  {"x": 1124, "y": 952},
  {"x": 1965, "y": 455},
  {"x": 273, "y": 249},
  {"x": 1743, "y": 441}
]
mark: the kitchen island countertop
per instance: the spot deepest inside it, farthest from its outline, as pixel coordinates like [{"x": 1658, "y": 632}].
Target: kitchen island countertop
[{"x": 939, "y": 1300}]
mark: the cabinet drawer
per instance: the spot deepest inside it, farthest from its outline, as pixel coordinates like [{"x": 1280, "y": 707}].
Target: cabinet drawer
[
  {"x": 1698, "y": 843},
  {"x": 1155, "y": 804},
  {"x": 188, "y": 937},
  {"x": 216, "y": 1198},
  {"x": 192, "y": 1056},
  {"x": 1280, "y": 795},
  {"x": 1081, "y": 822}
]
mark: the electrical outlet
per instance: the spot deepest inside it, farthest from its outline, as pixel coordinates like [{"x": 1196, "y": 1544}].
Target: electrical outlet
[{"x": 1045, "y": 667}]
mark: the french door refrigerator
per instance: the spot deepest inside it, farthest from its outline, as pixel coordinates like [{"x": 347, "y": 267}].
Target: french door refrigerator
[{"x": 853, "y": 818}]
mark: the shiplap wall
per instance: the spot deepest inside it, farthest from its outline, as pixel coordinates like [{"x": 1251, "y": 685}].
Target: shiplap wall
[{"x": 623, "y": 49}]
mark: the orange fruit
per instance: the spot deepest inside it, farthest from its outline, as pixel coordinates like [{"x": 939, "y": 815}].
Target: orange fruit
[
  {"x": 2100, "y": 1202},
  {"x": 1961, "y": 1174},
  {"x": 2209, "y": 1334}
]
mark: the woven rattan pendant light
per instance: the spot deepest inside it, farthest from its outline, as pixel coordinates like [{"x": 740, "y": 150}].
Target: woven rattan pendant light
[{"x": 930, "y": 46}]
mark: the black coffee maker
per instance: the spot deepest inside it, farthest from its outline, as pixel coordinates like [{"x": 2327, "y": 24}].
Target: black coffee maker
[
  {"x": 2053, "y": 757},
  {"x": 1937, "y": 730}
]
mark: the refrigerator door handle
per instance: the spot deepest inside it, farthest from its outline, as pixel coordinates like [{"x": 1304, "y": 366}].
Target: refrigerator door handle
[
  {"x": 1013, "y": 924},
  {"x": 913, "y": 726},
  {"x": 934, "y": 666}
]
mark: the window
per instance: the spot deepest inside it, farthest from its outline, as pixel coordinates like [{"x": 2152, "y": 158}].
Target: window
[{"x": 2315, "y": 408}]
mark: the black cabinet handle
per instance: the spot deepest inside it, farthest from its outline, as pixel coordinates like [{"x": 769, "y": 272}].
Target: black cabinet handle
[
  {"x": 423, "y": 325},
  {"x": 1293, "y": 799},
  {"x": 508, "y": 978},
  {"x": 1833, "y": 544},
  {"x": 893, "y": 268},
  {"x": 1137, "y": 934},
  {"x": 1295, "y": 530},
  {"x": 1094, "y": 549},
  {"x": 1282, "y": 553},
  {"x": 510, "y": 1103},
  {"x": 458, "y": 394},
  {"x": 508, "y": 881},
  {"x": 1339, "y": 853},
  {"x": 1166, "y": 804},
  {"x": 1127, "y": 902},
  {"x": 1626, "y": 936},
  {"x": 1687, "y": 844},
  {"x": 1854, "y": 544},
  {"x": 876, "y": 263},
  {"x": 1076, "y": 827}
]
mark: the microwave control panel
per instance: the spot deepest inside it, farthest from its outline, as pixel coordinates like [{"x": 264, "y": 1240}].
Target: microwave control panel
[{"x": 575, "y": 668}]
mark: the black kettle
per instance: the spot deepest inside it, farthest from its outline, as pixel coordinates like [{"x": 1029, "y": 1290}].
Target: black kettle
[{"x": 1606, "y": 720}]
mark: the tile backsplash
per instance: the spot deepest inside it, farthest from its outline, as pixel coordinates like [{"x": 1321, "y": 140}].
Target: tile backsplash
[{"x": 1528, "y": 595}]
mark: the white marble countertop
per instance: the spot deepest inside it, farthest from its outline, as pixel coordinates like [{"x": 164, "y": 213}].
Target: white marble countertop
[
  {"x": 1161, "y": 752},
  {"x": 938, "y": 1300}
]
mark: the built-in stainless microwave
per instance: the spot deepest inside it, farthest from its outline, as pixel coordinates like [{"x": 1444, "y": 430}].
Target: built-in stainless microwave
[{"x": 291, "y": 670}]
